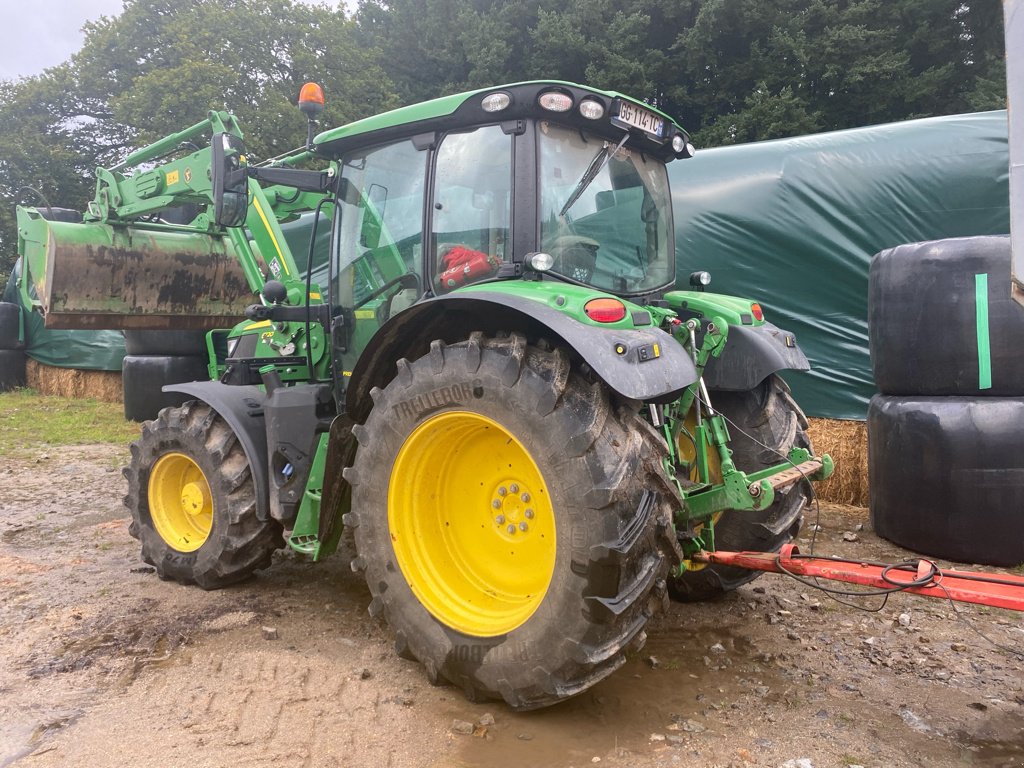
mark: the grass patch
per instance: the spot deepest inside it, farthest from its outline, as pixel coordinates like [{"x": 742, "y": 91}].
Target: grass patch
[{"x": 29, "y": 420}]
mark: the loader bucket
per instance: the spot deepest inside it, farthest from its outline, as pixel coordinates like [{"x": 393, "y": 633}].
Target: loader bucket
[{"x": 89, "y": 275}]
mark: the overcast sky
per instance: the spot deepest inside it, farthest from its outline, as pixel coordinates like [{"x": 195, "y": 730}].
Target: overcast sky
[{"x": 43, "y": 33}]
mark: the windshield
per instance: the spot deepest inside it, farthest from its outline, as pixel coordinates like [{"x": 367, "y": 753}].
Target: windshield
[{"x": 605, "y": 212}]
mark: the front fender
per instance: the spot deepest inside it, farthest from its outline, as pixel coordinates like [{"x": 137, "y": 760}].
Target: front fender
[
  {"x": 751, "y": 354},
  {"x": 242, "y": 409},
  {"x": 639, "y": 364}
]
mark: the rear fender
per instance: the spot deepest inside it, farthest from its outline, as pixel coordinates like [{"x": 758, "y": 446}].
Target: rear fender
[{"x": 638, "y": 364}]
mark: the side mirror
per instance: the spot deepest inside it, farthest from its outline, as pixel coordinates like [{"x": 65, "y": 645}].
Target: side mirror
[{"x": 230, "y": 180}]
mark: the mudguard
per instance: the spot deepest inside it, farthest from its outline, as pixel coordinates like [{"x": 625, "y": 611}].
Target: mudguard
[
  {"x": 242, "y": 409},
  {"x": 751, "y": 354},
  {"x": 640, "y": 364}
]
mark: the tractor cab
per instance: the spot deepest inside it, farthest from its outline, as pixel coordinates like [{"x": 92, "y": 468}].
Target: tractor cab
[{"x": 545, "y": 181}]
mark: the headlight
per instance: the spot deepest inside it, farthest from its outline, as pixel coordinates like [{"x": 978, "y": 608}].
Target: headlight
[
  {"x": 683, "y": 147},
  {"x": 540, "y": 262},
  {"x": 555, "y": 101},
  {"x": 591, "y": 109},
  {"x": 495, "y": 102}
]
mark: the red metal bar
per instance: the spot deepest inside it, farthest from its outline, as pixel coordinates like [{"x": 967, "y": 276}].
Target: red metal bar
[{"x": 998, "y": 590}]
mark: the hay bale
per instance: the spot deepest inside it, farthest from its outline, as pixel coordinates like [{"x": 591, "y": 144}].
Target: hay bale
[
  {"x": 847, "y": 443},
  {"x": 74, "y": 382}
]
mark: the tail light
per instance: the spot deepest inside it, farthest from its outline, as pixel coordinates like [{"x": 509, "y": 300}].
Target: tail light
[
  {"x": 757, "y": 312},
  {"x": 605, "y": 310}
]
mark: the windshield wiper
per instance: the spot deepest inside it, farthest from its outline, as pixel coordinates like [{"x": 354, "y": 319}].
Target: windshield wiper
[{"x": 597, "y": 165}]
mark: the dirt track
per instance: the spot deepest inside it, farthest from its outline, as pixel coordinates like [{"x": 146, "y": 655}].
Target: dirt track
[{"x": 105, "y": 665}]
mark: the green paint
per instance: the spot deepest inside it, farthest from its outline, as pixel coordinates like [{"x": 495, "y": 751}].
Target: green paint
[
  {"x": 984, "y": 349},
  {"x": 729, "y": 308}
]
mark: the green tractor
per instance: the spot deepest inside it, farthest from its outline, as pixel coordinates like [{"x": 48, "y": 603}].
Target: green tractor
[{"x": 492, "y": 382}]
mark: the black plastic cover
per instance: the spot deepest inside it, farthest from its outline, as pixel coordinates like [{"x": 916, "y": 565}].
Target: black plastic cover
[
  {"x": 947, "y": 476},
  {"x": 752, "y": 354}
]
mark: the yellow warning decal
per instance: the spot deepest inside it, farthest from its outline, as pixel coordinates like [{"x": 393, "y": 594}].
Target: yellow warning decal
[
  {"x": 365, "y": 314},
  {"x": 346, "y": 373},
  {"x": 657, "y": 351},
  {"x": 314, "y": 296},
  {"x": 172, "y": 178}
]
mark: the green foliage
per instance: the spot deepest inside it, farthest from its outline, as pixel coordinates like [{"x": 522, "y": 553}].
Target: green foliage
[
  {"x": 161, "y": 66},
  {"x": 729, "y": 70}
]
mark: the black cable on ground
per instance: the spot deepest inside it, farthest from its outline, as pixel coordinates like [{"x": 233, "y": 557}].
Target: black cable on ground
[{"x": 834, "y": 593}]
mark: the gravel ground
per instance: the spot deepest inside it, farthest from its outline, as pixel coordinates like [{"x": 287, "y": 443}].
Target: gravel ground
[{"x": 106, "y": 665}]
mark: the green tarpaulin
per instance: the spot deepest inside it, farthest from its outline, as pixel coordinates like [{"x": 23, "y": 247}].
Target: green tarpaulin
[
  {"x": 90, "y": 350},
  {"x": 794, "y": 223}
]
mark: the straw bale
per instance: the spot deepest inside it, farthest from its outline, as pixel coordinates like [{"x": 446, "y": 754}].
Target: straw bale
[
  {"x": 74, "y": 382},
  {"x": 847, "y": 443}
]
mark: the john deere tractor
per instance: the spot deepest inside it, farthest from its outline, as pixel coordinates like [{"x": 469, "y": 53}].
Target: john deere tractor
[{"x": 491, "y": 381}]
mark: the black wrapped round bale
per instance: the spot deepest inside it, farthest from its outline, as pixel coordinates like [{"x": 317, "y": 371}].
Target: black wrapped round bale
[
  {"x": 941, "y": 320},
  {"x": 12, "y": 369},
  {"x": 10, "y": 326},
  {"x": 165, "y": 342},
  {"x": 947, "y": 476},
  {"x": 144, "y": 376}
]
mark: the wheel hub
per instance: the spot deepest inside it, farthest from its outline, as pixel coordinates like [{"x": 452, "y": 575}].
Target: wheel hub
[
  {"x": 180, "y": 502},
  {"x": 471, "y": 523},
  {"x": 513, "y": 509}
]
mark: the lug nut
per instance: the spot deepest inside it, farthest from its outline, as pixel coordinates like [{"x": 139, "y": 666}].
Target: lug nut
[
  {"x": 523, "y": 526},
  {"x": 525, "y": 497},
  {"x": 529, "y": 514},
  {"x": 496, "y": 503},
  {"x": 500, "y": 519},
  {"x": 514, "y": 488},
  {"x": 511, "y": 529},
  {"x": 502, "y": 491}
]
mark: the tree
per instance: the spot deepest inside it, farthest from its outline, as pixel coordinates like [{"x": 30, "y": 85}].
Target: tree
[{"x": 161, "y": 66}]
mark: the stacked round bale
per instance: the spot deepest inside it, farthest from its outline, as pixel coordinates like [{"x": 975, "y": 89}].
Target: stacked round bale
[
  {"x": 12, "y": 347},
  {"x": 156, "y": 358},
  {"x": 946, "y": 434}
]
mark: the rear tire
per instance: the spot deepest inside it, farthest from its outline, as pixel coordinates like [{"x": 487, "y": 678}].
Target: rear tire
[
  {"x": 193, "y": 501},
  {"x": 445, "y": 438},
  {"x": 769, "y": 415}
]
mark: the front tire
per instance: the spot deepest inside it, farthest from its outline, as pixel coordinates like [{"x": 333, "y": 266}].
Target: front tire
[
  {"x": 192, "y": 500},
  {"x": 508, "y": 519},
  {"x": 766, "y": 424}
]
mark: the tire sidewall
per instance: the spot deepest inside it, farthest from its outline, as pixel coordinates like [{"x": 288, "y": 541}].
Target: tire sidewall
[{"x": 158, "y": 441}]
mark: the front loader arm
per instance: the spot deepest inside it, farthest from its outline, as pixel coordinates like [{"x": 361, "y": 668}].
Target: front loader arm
[{"x": 126, "y": 266}]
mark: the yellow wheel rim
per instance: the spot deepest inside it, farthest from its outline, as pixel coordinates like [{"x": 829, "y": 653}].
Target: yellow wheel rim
[
  {"x": 688, "y": 453},
  {"x": 472, "y": 524},
  {"x": 180, "y": 502}
]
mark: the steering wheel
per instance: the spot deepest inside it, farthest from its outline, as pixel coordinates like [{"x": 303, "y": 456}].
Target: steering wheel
[{"x": 408, "y": 280}]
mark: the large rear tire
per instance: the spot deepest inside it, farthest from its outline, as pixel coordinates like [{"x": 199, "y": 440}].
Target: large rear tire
[
  {"x": 193, "y": 501},
  {"x": 510, "y": 520},
  {"x": 773, "y": 425}
]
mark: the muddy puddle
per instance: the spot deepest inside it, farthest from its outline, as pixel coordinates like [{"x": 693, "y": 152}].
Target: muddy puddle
[{"x": 672, "y": 690}]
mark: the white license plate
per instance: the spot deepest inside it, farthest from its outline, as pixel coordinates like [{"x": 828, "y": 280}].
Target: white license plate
[{"x": 644, "y": 119}]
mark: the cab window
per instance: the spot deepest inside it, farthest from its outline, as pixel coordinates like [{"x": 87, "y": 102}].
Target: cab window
[{"x": 472, "y": 206}]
